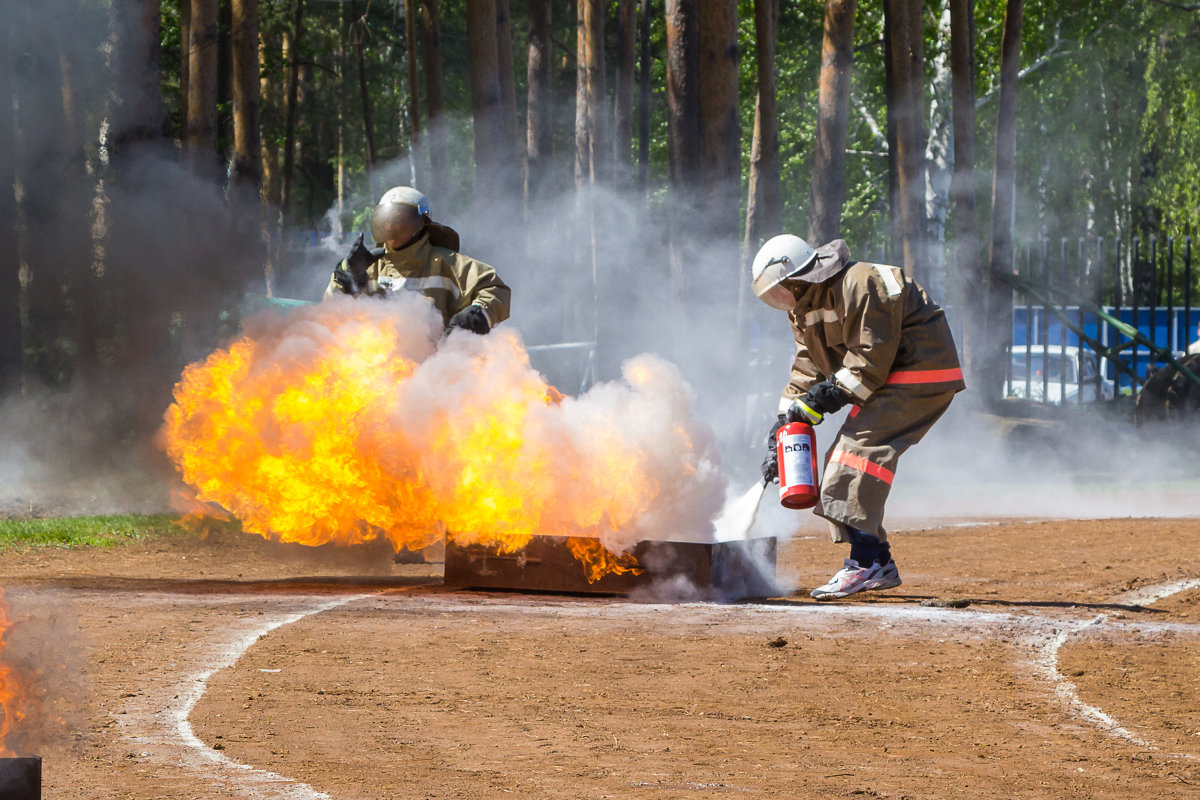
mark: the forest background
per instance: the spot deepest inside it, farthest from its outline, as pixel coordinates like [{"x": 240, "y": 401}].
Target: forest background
[{"x": 167, "y": 162}]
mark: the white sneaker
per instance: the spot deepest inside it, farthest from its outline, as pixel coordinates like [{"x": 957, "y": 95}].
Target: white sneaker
[
  {"x": 849, "y": 579},
  {"x": 888, "y": 577}
]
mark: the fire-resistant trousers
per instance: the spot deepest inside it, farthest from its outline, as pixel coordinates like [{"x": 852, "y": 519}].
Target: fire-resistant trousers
[{"x": 861, "y": 464}]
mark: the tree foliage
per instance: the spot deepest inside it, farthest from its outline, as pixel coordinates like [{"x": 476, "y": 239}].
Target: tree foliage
[{"x": 1108, "y": 133}]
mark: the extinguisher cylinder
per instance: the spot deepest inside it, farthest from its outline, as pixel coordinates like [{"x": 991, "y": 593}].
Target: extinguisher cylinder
[{"x": 796, "y": 445}]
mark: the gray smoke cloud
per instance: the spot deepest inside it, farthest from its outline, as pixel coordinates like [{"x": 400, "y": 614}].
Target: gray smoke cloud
[{"x": 178, "y": 247}]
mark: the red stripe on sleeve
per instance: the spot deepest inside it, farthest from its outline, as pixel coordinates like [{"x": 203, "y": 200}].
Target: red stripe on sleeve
[{"x": 926, "y": 376}]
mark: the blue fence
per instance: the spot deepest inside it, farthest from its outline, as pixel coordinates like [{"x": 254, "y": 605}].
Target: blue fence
[{"x": 1173, "y": 329}]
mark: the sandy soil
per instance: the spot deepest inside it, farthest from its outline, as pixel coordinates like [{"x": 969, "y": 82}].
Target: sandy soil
[{"x": 1018, "y": 660}]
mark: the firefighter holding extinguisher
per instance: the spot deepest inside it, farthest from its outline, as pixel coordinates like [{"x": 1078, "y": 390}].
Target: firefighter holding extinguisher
[{"x": 867, "y": 336}]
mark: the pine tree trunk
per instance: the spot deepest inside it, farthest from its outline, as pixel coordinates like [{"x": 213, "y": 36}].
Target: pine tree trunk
[
  {"x": 291, "y": 102},
  {"x": 136, "y": 114},
  {"x": 683, "y": 93},
  {"x": 202, "y": 87},
  {"x": 185, "y": 57},
  {"x": 247, "y": 136},
  {"x": 590, "y": 154},
  {"x": 999, "y": 299},
  {"x": 939, "y": 161},
  {"x": 643, "y": 183},
  {"x": 485, "y": 97},
  {"x": 410, "y": 59},
  {"x": 269, "y": 90},
  {"x": 764, "y": 212},
  {"x": 829, "y": 156},
  {"x": 224, "y": 83},
  {"x": 539, "y": 115},
  {"x": 964, "y": 223},
  {"x": 683, "y": 145},
  {"x": 623, "y": 94},
  {"x": 906, "y": 107},
  {"x": 11, "y": 340},
  {"x": 719, "y": 123},
  {"x": 508, "y": 90},
  {"x": 75, "y": 203},
  {"x": 39, "y": 155},
  {"x": 358, "y": 37},
  {"x": 431, "y": 47}
]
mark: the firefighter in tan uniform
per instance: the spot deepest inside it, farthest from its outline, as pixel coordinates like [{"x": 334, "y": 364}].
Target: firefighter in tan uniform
[
  {"x": 868, "y": 336},
  {"x": 421, "y": 255}
]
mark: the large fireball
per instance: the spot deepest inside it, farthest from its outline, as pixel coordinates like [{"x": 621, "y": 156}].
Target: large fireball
[{"x": 354, "y": 419}]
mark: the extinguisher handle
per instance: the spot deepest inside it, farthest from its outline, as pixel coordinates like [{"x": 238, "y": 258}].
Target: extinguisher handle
[{"x": 800, "y": 411}]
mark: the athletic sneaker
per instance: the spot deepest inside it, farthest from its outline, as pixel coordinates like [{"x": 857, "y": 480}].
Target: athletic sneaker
[
  {"x": 888, "y": 577},
  {"x": 849, "y": 579}
]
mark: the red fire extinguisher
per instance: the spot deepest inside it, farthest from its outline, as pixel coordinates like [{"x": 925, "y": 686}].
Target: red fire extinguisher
[{"x": 796, "y": 446}]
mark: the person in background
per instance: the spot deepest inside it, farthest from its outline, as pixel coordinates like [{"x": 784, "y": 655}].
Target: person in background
[
  {"x": 420, "y": 255},
  {"x": 866, "y": 336}
]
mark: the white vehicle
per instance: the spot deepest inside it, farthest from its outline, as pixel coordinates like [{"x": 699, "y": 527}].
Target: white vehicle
[{"x": 1056, "y": 375}]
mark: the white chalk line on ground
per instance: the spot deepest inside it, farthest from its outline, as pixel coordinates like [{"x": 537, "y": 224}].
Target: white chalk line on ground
[
  {"x": 1047, "y": 661},
  {"x": 1044, "y": 634},
  {"x": 170, "y": 727}
]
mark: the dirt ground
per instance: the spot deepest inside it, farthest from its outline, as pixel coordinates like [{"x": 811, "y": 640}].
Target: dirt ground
[{"x": 1043, "y": 659}]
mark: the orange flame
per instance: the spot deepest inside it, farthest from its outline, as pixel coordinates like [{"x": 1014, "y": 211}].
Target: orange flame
[
  {"x": 599, "y": 561},
  {"x": 350, "y": 420},
  {"x": 11, "y": 692}
]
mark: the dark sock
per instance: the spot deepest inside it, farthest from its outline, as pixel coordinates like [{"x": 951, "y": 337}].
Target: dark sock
[
  {"x": 864, "y": 547},
  {"x": 885, "y": 553}
]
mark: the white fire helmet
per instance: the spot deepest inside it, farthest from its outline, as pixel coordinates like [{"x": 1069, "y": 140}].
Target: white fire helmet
[
  {"x": 782, "y": 257},
  {"x": 401, "y": 213}
]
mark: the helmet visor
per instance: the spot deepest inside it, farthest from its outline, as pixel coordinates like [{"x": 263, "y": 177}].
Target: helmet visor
[{"x": 769, "y": 285}]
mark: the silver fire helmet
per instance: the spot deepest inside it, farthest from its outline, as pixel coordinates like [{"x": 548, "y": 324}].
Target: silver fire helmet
[
  {"x": 779, "y": 259},
  {"x": 400, "y": 215}
]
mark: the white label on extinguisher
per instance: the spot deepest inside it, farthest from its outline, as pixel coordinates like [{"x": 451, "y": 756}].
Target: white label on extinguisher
[{"x": 797, "y": 460}]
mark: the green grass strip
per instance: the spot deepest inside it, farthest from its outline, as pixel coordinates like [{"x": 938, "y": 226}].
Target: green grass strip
[{"x": 103, "y": 531}]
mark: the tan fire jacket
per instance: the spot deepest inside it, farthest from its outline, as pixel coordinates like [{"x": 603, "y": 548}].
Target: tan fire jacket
[
  {"x": 867, "y": 326},
  {"x": 448, "y": 278}
]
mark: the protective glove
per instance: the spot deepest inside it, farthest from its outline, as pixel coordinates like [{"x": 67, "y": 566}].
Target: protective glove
[
  {"x": 824, "y": 398},
  {"x": 770, "y": 464},
  {"x": 347, "y": 281},
  {"x": 351, "y": 273},
  {"x": 360, "y": 258},
  {"x": 472, "y": 318}
]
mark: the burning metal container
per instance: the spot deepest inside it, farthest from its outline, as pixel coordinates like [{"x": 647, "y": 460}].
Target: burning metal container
[
  {"x": 728, "y": 570},
  {"x": 21, "y": 778}
]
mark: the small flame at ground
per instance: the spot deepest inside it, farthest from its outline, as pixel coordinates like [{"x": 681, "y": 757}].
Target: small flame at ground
[
  {"x": 599, "y": 561},
  {"x": 11, "y": 693},
  {"x": 351, "y": 420}
]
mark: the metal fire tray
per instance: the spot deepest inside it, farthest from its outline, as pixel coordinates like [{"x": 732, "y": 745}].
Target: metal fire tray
[
  {"x": 716, "y": 570},
  {"x": 21, "y": 778}
]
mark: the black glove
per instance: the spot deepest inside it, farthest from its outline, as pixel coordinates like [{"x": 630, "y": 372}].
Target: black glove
[
  {"x": 824, "y": 398},
  {"x": 770, "y": 464},
  {"x": 472, "y": 318},
  {"x": 349, "y": 282},
  {"x": 360, "y": 258},
  {"x": 351, "y": 273}
]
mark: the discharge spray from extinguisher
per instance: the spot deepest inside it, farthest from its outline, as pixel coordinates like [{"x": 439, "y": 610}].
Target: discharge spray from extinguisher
[{"x": 796, "y": 446}]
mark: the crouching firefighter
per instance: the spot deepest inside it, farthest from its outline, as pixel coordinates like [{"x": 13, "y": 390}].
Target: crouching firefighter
[
  {"x": 420, "y": 255},
  {"x": 869, "y": 337}
]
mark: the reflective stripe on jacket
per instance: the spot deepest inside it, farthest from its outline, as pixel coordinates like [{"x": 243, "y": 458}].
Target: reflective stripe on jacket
[
  {"x": 449, "y": 279},
  {"x": 867, "y": 326}
]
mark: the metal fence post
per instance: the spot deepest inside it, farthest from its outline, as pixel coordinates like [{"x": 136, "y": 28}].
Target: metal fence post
[
  {"x": 1152, "y": 357},
  {"x": 1172, "y": 330},
  {"x": 1187, "y": 288},
  {"x": 1134, "y": 273}
]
